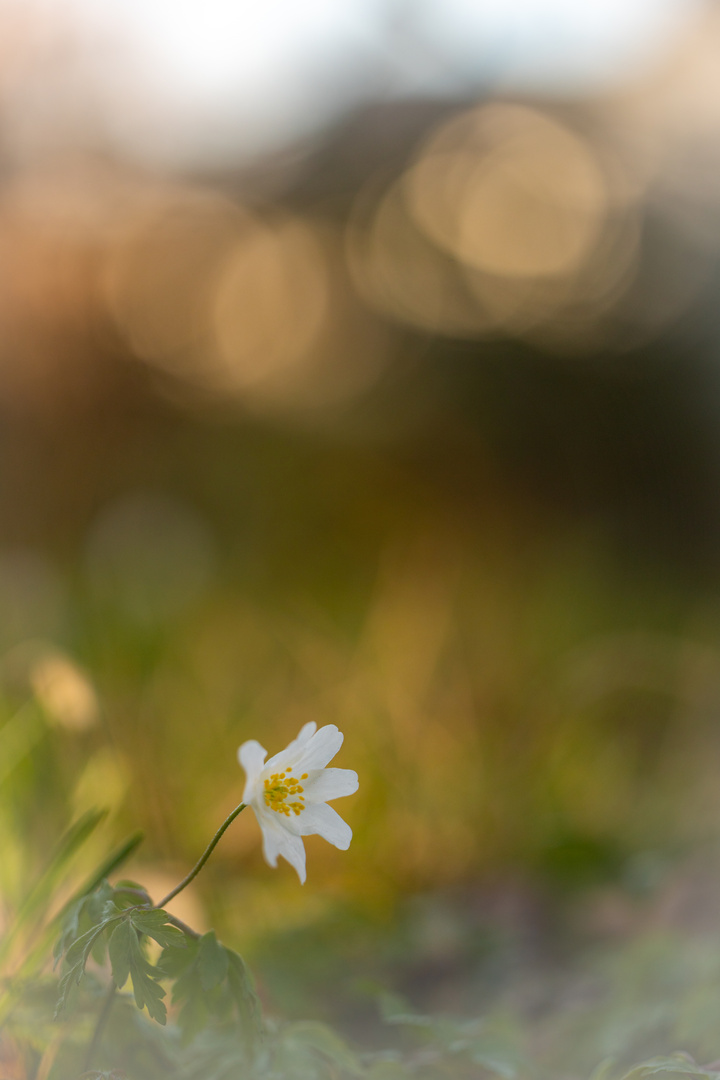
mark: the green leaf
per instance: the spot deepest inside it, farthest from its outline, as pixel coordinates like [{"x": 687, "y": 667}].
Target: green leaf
[
  {"x": 128, "y": 883},
  {"x": 148, "y": 992},
  {"x": 131, "y": 894},
  {"x": 120, "y": 949},
  {"x": 127, "y": 960},
  {"x": 193, "y": 1016},
  {"x": 154, "y": 924},
  {"x": 242, "y": 989},
  {"x": 212, "y": 961},
  {"x": 76, "y": 957},
  {"x": 92, "y": 898},
  {"x": 82, "y": 915},
  {"x": 70, "y": 930},
  {"x": 210, "y": 981},
  {"x": 188, "y": 991},
  {"x": 175, "y": 959}
]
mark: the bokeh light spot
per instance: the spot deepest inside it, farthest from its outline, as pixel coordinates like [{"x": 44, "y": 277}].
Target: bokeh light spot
[
  {"x": 510, "y": 191},
  {"x": 65, "y": 692},
  {"x": 399, "y": 272},
  {"x": 270, "y": 304},
  {"x": 161, "y": 272}
]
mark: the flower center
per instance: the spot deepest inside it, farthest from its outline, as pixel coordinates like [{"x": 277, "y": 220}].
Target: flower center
[{"x": 278, "y": 791}]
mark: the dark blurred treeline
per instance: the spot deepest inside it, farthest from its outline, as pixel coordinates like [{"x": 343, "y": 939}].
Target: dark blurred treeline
[{"x": 606, "y": 416}]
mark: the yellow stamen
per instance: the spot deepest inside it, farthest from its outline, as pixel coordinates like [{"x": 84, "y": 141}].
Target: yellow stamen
[{"x": 277, "y": 788}]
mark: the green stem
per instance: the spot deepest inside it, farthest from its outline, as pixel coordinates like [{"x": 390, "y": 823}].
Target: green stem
[{"x": 203, "y": 858}]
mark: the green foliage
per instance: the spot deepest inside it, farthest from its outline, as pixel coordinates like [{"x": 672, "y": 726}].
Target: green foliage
[
  {"x": 212, "y": 988},
  {"x": 213, "y": 1028},
  {"x": 130, "y": 1043},
  {"x": 81, "y": 917},
  {"x": 667, "y": 1068},
  {"x": 127, "y": 959},
  {"x": 305, "y": 1051},
  {"x": 122, "y": 929},
  {"x": 141, "y": 996},
  {"x": 482, "y": 1042},
  {"x": 211, "y": 981}
]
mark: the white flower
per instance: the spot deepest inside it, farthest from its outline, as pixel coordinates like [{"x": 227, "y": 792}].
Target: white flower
[{"x": 290, "y": 793}]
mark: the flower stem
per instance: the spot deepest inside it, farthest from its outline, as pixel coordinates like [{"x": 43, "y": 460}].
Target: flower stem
[{"x": 203, "y": 858}]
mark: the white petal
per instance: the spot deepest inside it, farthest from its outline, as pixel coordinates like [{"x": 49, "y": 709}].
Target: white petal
[
  {"x": 277, "y": 840},
  {"x": 326, "y": 784},
  {"x": 321, "y": 748},
  {"x": 291, "y": 752},
  {"x": 251, "y": 756},
  {"x": 324, "y": 821}
]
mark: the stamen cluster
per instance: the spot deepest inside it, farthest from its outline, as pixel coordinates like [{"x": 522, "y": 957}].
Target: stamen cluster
[{"x": 277, "y": 789}]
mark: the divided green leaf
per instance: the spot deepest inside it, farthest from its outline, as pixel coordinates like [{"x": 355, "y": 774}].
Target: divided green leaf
[
  {"x": 102, "y": 915},
  {"x": 212, "y": 961},
  {"x": 76, "y": 958},
  {"x": 210, "y": 981},
  {"x": 128, "y": 961},
  {"x": 154, "y": 924}
]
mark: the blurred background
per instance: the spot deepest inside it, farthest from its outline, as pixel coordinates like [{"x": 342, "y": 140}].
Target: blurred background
[{"x": 360, "y": 363}]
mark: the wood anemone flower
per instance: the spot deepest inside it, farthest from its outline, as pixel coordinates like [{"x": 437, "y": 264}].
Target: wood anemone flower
[{"x": 290, "y": 792}]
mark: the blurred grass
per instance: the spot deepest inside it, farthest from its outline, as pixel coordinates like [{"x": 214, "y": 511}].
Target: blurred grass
[
  {"x": 524, "y": 702},
  {"x": 491, "y": 698}
]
